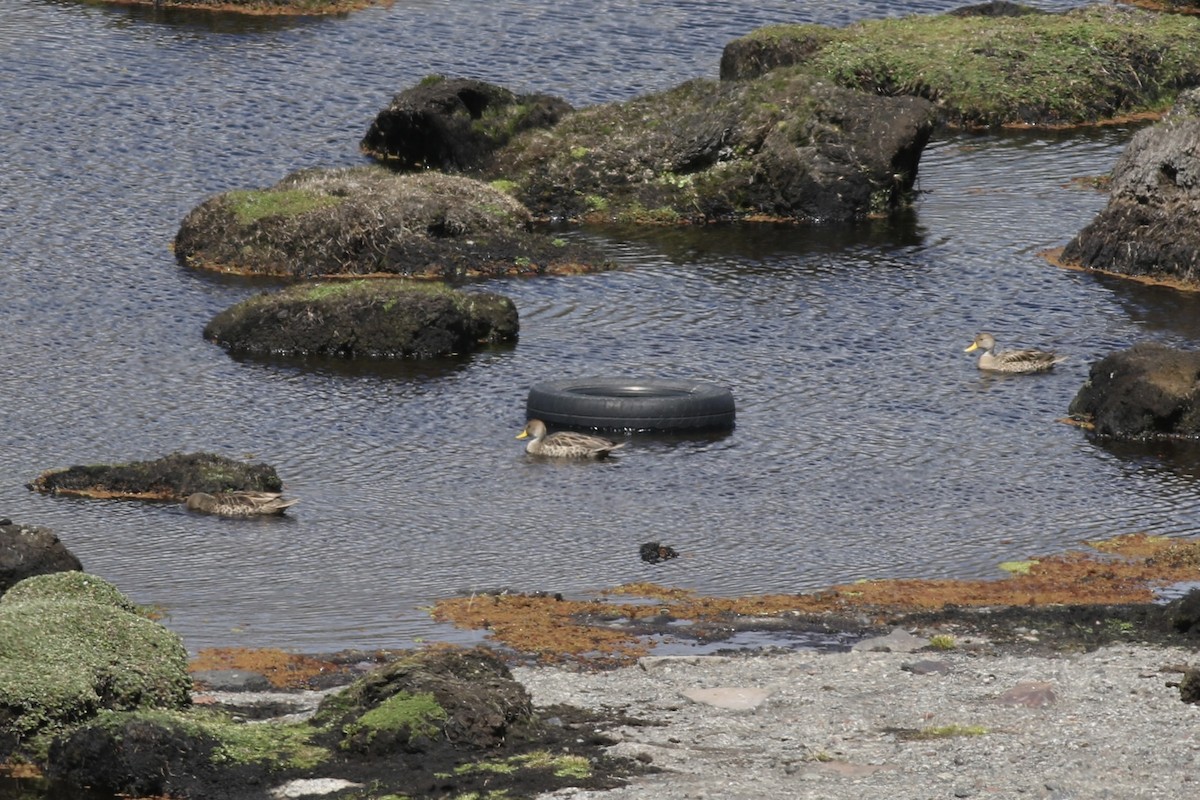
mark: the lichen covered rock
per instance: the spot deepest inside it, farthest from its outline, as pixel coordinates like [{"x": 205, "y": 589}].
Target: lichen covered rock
[
  {"x": 991, "y": 65},
  {"x": 368, "y": 318}
]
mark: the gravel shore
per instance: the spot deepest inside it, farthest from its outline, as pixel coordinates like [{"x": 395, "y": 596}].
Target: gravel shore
[{"x": 896, "y": 725}]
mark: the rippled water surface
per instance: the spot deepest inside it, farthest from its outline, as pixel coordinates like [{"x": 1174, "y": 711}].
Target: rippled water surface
[{"x": 867, "y": 444}]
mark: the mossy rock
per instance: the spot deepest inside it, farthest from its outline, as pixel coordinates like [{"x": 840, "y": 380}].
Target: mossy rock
[
  {"x": 466, "y": 699},
  {"x": 785, "y": 147},
  {"x": 378, "y": 318},
  {"x": 171, "y": 478},
  {"x": 370, "y": 221},
  {"x": 1081, "y": 66},
  {"x": 71, "y": 646}
]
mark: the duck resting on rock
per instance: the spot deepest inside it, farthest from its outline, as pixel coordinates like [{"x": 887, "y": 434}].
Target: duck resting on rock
[
  {"x": 564, "y": 444},
  {"x": 239, "y": 504},
  {"x": 1027, "y": 360}
]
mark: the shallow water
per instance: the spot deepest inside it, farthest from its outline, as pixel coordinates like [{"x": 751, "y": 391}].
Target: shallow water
[{"x": 867, "y": 445}]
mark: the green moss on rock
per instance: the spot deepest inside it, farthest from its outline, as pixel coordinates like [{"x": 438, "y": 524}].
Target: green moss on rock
[
  {"x": 250, "y": 205},
  {"x": 403, "y": 715}
]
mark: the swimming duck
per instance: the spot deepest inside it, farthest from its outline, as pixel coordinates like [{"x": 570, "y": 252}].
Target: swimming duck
[
  {"x": 1028, "y": 360},
  {"x": 564, "y": 444},
  {"x": 239, "y": 504}
]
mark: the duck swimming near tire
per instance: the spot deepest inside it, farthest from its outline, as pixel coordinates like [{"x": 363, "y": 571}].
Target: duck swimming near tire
[{"x": 565, "y": 444}]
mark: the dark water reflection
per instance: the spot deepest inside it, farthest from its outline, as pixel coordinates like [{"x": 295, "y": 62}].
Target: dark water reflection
[{"x": 867, "y": 444}]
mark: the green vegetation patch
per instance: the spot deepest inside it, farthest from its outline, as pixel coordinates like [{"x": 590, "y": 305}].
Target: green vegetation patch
[
  {"x": 936, "y": 732},
  {"x": 1083, "y": 66},
  {"x": 251, "y": 205},
  {"x": 411, "y": 715},
  {"x": 942, "y": 641},
  {"x": 561, "y": 766}
]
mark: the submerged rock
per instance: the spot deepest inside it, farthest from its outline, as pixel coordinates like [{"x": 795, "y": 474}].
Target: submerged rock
[
  {"x": 172, "y": 477},
  {"x": 371, "y": 221},
  {"x": 1144, "y": 391},
  {"x": 1148, "y": 229},
  {"x": 372, "y": 318}
]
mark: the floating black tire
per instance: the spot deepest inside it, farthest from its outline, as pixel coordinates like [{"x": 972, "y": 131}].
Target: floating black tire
[{"x": 632, "y": 404}]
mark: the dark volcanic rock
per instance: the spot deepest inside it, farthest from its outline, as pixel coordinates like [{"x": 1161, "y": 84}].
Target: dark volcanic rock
[
  {"x": 455, "y": 124},
  {"x": 26, "y": 551},
  {"x": 1149, "y": 226},
  {"x": 373, "y": 318},
  {"x": 136, "y": 756},
  {"x": 1144, "y": 391}
]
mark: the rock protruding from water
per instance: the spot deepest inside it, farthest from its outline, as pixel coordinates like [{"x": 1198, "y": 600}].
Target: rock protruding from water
[
  {"x": 371, "y": 221},
  {"x": 170, "y": 478},
  {"x": 455, "y": 124},
  {"x": 1148, "y": 229},
  {"x": 381, "y": 318},
  {"x": 26, "y": 550},
  {"x": 792, "y": 148},
  {"x": 1147, "y": 390}
]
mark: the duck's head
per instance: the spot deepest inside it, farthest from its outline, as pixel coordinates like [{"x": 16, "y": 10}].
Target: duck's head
[
  {"x": 983, "y": 341},
  {"x": 535, "y": 428},
  {"x": 197, "y": 501}
]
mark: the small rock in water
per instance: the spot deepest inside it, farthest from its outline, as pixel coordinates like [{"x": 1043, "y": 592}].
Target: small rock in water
[{"x": 653, "y": 552}]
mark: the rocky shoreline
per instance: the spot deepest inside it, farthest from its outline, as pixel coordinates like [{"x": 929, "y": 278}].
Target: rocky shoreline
[{"x": 864, "y": 724}]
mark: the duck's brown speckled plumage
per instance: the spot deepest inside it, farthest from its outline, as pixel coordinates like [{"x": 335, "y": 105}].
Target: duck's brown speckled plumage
[
  {"x": 239, "y": 504},
  {"x": 1027, "y": 360},
  {"x": 564, "y": 444}
]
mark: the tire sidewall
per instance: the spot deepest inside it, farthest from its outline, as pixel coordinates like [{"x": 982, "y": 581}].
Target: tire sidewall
[{"x": 647, "y": 404}]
